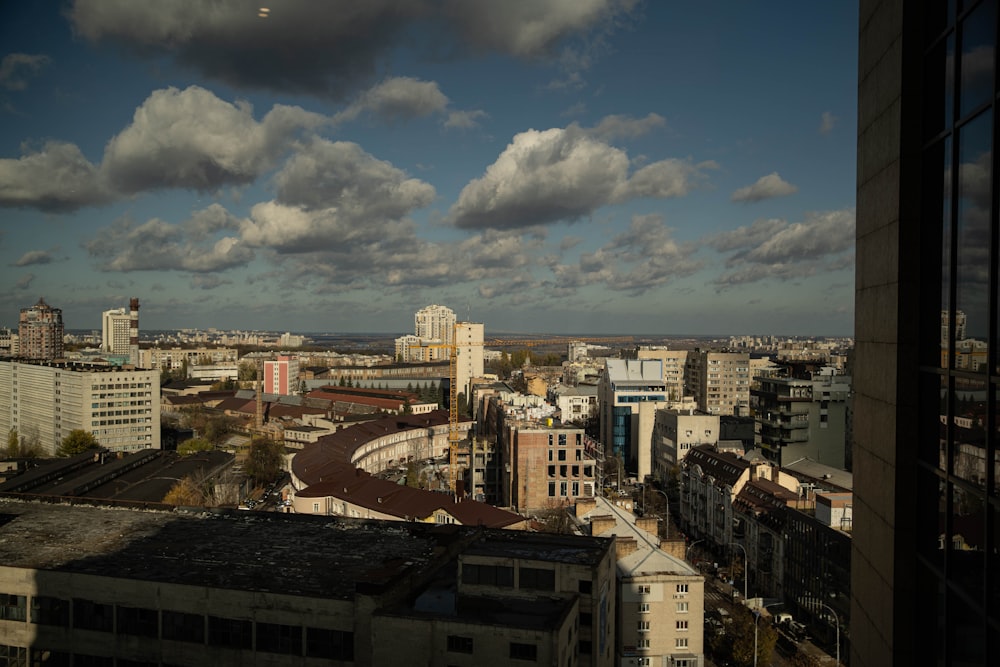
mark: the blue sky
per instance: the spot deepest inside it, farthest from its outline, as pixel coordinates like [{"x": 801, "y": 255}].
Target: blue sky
[{"x": 549, "y": 166}]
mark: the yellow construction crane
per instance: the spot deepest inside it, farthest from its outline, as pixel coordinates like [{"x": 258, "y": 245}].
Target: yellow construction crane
[{"x": 454, "y": 438}]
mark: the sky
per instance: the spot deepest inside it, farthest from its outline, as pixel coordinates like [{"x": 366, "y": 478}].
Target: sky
[{"x": 541, "y": 166}]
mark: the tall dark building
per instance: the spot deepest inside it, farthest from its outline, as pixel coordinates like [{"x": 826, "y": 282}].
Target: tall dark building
[{"x": 925, "y": 561}]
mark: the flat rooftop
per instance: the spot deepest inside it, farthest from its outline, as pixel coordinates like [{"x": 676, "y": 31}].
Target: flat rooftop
[{"x": 311, "y": 556}]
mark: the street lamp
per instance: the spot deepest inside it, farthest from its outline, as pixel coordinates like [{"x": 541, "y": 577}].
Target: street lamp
[
  {"x": 687, "y": 554},
  {"x": 666, "y": 504},
  {"x": 837, "y": 622},
  {"x": 745, "y": 573}
]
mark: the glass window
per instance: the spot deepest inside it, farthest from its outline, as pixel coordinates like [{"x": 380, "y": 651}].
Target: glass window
[
  {"x": 183, "y": 627},
  {"x": 537, "y": 579},
  {"x": 138, "y": 621},
  {"x": 459, "y": 644},
  {"x": 230, "y": 632},
  {"x": 519, "y": 651},
  {"x": 978, "y": 43},
  {"x": 50, "y": 611},
  {"x": 13, "y": 607},
  {"x": 331, "y": 644},
  {"x": 88, "y": 615},
  {"x": 279, "y": 638}
]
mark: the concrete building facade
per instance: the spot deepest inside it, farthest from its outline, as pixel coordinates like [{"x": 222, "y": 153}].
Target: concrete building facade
[
  {"x": 674, "y": 369},
  {"x": 549, "y": 467},
  {"x": 47, "y": 400},
  {"x": 40, "y": 332},
  {"x": 624, "y": 385},
  {"x": 675, "y": 432},
  {"x": 281, "y": 375},
  {"x": 719, "y": 381}
]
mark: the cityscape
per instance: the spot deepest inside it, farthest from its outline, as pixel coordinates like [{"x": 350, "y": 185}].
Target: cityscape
[{"x": 459, "y": 332}]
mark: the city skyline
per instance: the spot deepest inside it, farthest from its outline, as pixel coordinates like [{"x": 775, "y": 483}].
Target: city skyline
[{"x": 601, "y": 167}]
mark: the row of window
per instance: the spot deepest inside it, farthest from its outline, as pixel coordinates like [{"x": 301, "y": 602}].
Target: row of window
[
  {"x": 517, "y": 650},
  {"x": 503, "y": 576},
  {"x": 180, "y": 626}
]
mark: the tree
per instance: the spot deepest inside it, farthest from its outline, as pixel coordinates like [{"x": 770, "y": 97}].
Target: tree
[
  {"x": 217, "y": 427},
  {"x": 303, "y": 388},
  {"x": 193, "y": 446},
  {"x": 13, "y": 443},
  {"x": 738, "y": 640},
  {"x": 77, "y": 442},
  {"x": 265, "y": 460},
  {"x": 247, "y": 371},
  {"x": 186, "y": 492}
]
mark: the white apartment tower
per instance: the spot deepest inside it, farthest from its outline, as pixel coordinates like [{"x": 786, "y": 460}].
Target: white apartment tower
[
  {"x": 469, "y": 348},
  {"x": 433, "y": 329},
  {"x": 120, "y": 332}
]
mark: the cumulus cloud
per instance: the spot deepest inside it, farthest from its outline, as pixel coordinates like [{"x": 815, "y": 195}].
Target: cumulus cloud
[
  {"x": 157, "y": 245},
  {"x": 464, "y": 120},
  {"x": 329, "y": 48},
  {"x": 766, "y": 187},
  {"x": 24, "y": 282},
  {"x": 15, "y": 68},
  {"x": 192, "y": 139},
  {"x": 782, "y": 250},
  {"x": 562, "y": 174},
  {"x": 55, "y": 178},
  {"x": 34, "y": 257},
  {"x": 826, "y": 122}
]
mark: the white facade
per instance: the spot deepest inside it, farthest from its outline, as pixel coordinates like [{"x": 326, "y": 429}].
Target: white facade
[
  {"x": 469, "y": 348},
  {"x": 115, "y": 331},
  {"x": 675, "y": 433},
  {"x": 121, "y": 408},
  {"x": 433, "y": 333}
]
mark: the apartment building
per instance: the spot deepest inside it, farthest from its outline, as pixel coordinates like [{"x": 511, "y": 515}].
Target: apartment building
[
  {"x": 799, "y": 418},
  {"x": 237, "y": 588},
  {"x": 433, "y": 333},
  {"x": 47, "y": 400},
  {"x": 549, "y": 467},
  {"x": 176, "y": 357},
  {"x": 719, "y": 381},
  {"x": 674, "y": 369},
  {"x": 281, "y": 375},
  {"x": 120, "y": 332},
  {"x": 469, "y": 348},
  {"x": 675, "y": 432},
  {"x": 40, "y": 332},
  {"x": 661, "y": 598}
]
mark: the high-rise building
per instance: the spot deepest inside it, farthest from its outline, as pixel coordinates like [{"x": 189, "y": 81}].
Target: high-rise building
[
  {"x": 624, "y": 385},
  {"x": 120, "y": 332},
  {"x": 40, "y": 332},
  {"x": 44, "y": 401},
  {"x": 469, "y": 347},
  {"x": 719, "y": 381},
  {"x": 281, "y": 375},
  {"x": 926, "y": 561},
  {"x": 434, "y": 328}
]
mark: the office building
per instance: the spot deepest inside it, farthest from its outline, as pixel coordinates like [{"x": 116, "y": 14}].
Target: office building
[
  {"x": 719, "y": 381},
  {"x": 624, "y": 385},
  {"x": 47, "y": 400},
  {"x": 197, "y": 588},
  {"x": 925, "y": 566},
  {"x": 40, "y": 332}
]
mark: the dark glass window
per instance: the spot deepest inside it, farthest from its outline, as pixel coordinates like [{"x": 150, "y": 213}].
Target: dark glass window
[
  {"x": 331, "y": 644},
  {"x": 41, "y": 657},
  {"x": 88, "y": 615},
  {"x": 279, "y": 638},
  {"x": 183, "y": 627},
  {"x": 459, "y": 644},
  {"x": 520, "y": 651},
  {"x": 586, "y": 619},
  {"x": 585, "y": 586},
  {"x": 978, "y": 43},
  {"x": 13, "y": 607},
  {"x": 230, "y": 632},
  {"x": 488, "y": 575},
  {"x": 13, "y": 656},
  {"x": 137, "y": 621},
  {"x": 49, "y": 611},
  {"x": 537, "y": 579}
]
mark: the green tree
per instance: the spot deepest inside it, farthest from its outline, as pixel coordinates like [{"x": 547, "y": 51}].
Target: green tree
[
  {"x": 738, "y": 640},
  {"x": 247, "y": 370},
  {"x": 77, "y": 442},
  {"x": 13, "y": 443},
  {"x": 194, "y": 445},
  {"x": 265, "y": 460},
  {"x": 303, "y": 388}
]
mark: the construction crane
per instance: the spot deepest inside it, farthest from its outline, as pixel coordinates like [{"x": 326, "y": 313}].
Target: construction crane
[{"x": 454, "y": 437}]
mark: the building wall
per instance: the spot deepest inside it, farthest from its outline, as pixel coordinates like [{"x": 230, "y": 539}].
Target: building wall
[
  {"x": 551, "y": 468},
  {"x": 120, "y": 407},
  {"x": 660, "y": 616},
  {"x": 40, "y": 332},
  {"x": 674, "y": 433},
  {"x": 719, "y": 381},
  {"x": 674, "y": 364},
  {"x": 469, "y": 347},
  {"x": 624, "y": 385}
]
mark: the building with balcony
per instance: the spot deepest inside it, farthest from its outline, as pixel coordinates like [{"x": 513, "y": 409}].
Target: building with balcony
[
  {"x": 719, "y": 381},
  {"x": 40, "y": 332},
  {"x": 799, "y": 418},
  {"x": 675, "y": 433}
]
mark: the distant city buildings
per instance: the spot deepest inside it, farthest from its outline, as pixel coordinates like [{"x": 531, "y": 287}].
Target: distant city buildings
[
  {"x": 40, "y": 332},
  {"x": 120, "y": 332},
  {"x": 433, "y": 335}
]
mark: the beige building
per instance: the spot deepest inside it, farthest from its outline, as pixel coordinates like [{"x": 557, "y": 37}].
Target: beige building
[
  {"x": 47, "y": 400},
  {"x": 469, "y": 348},
  {"x": 719, "y": 381},
  {"x": 674, "y": 369},
  {"x": 40, "y": 332},
  {"x": 675, "y": 432},
  {"x": 661, "y": 598},
  {"x": 548, "y": 467},
  {"x": 92, "y": 585},
  {"x": 175, "y": 358}
]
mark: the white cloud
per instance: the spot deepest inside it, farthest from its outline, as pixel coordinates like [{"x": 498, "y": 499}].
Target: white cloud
[
  {"x": 397, "y": 98},
  {"x": 34, "y": 257},
  {"x": 766, "y": 187},
  {"x": 56, "y": 178},
  {"x": 464, "y": 120},
  {"x": 781, "y": 250},
  {"x": 15, "y": 68},
  {"x": 192, "y": 139},
  {"x": 625, "y": 127},
  {"x": 562, "y": 174}
]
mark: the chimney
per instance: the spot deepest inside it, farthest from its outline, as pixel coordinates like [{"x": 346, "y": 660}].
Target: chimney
[
  {"x": 585, "y": 505},
  {"x": 648, "y": 524},
  {"x": 601, "y": 524},
  {"x": 625, "y": 546}
]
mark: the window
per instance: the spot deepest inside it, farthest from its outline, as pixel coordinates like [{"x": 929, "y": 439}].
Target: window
[
  {"x": 538, "y": 579},
  {"x": 229, "y": 632},
  {"x": 524, "y": 651},
  {"x": 15, "y": 656},
  {"x": 89, "y": 615},
  {"x": 682, "y": 588},
  {"x": 279, "y": 638},
  {"x": 562, "y": 454},
  {"x": 682, "y": 625},
  {"x": 681, "y": 642},
  {"x": 459, "y": 644},
  {"x": 642, "y": 626},
  {"x": 585, "y": 586},
  {"x": 643, "y": 607},
  {"x": 138, "y": 621},
  {"x": 643, "y": 661},
  {"x": 50, "y": 611},
  {"x": 586, "y": 619},
  {"x": 331, "y": 644},
  {"x": 682, "y": 607},
  {"x": 488, "y": 575},
  {"x": 643, "y": 643},
  {"x": 183, "y": 627},
  {"x": 644, "y": 589},
  {"x": 13, "y": 607},
  {"x": 585, "y": 647}
]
